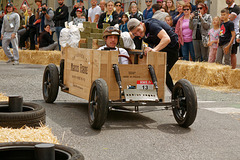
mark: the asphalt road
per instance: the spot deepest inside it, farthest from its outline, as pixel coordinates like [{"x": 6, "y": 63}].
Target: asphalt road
[{"x": 149, "y": 136}]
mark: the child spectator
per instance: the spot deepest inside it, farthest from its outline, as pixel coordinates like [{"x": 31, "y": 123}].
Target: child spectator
[
  {"x": 213, "y": 39},
  {"x": 123, "y": 24},
  {"x": 169, "y": 20},
  {"x": 226, "y": 38},
  {"x": 80, "y": 18},
  {"x": 164, "y": 9}
]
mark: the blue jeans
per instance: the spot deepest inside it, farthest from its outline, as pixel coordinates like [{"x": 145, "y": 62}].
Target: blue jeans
[
  {"x": 186, "y": 48},
  {"x": 58, "y": 30}
]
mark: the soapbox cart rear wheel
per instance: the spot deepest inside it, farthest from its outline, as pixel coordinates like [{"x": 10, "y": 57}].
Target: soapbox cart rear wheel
[
  {"x": 98, "y": 104},
  {"x": 185, "y": 110}
]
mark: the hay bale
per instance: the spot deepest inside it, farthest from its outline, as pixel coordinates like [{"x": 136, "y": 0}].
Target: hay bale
[
  {"x": 27, "y": 134},
  {"x": 93, "y": 25},
  {"x": 36, "y": 57},
  {"x": 201, "y": 73},
  {"x": 3, "y": 97},
  {"x": 233, "y": 79}
]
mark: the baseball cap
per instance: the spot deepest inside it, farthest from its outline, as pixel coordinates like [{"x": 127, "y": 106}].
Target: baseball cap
[
  {"x": 79, "y": 10},
  {"x": 159, "y": 0},
  {"x": 9, "y": 5},
  {"x": 132, "y": 23}
]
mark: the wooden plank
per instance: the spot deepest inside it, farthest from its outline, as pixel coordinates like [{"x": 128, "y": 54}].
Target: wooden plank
[{"x": 78, "y": 71}]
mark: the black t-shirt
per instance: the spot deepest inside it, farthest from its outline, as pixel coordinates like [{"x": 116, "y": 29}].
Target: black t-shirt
[
  {"x": 235, "y": 9},
  {"x": 225, "y": 32},
  {"x": 153, "y": 27},
  {"x": 45, "y": 39}
]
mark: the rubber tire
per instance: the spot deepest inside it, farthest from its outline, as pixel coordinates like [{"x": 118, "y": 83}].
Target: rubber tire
[
  {"x": 31, "y": 118},
  {"x": 29, "y": 151},
  {"x": 98, "y": 117},
  {"x": 51, "y": 93},
  {"x": 184, "y": 91}
]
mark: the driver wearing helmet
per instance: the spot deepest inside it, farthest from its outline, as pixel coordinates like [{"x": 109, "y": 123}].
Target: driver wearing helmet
[{"x": 111, "y": 35}]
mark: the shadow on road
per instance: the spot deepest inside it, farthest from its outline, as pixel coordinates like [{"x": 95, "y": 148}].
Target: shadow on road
[
  {"x": 75, "y": 117},
  {"x": 173, "y": 129}
]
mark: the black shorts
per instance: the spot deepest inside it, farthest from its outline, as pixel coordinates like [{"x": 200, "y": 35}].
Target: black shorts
[{"x": 234, "y": 48}]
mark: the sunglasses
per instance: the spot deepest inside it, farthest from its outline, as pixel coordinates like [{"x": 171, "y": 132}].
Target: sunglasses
[
  {"x": 199, "y": 8},
  {"x": 186, "y": 9},
  {"x": 148, "y": 1},
  {"x": 118, "y": 5}
]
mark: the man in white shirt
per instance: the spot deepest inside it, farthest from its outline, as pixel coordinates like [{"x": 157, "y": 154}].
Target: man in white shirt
[
  {"x": 111, "y": 35},
  {"x": 94, "y": 12}
]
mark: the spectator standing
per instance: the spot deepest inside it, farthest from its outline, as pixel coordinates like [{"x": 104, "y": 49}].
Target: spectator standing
[
  {"x": 134, "y": 13},
  {"x": 179, "y": 12},
  {"x": 119, "y": 11},
  {"x": 160, "y": 2},
  {"x": 169, "y": 21},
  {"x": 9, "y": 30},
  {"x": 133, "y": 3},
  {"x": 148, "y": 13},
  {"x": 23, "y": 22},
  {"x": 123, "y": 24},
  {"x": 84, "y": 10},
  {"x": 162, "y": 39},
  {"x": 60, "y": 17},
  {"x": 193, "y": 6},
  {"x": 164, "y": 4},
  {"x": 30, "y": 31},
  {"x": 1, "y": 22},
  {"x": 158, "y": 14},
  {"x": 110, "y": 16},
  {"x": 234, "y": 10},
  {"x": 25, "y": 13},
  {"x": 94, "y": 12},
  {"x": 80, "y": 18},
  {"x": 213, "y": 39},
  {"x": 185, "y": 33},
  {"x": 171, "y": 7},
  {"x": 46, "y": 15},
  {"x": 45, "y": 41},
  {"x": 102, "y": 5},
  {"x": 37, "y": 17},
  {"x": 226, "y": 38},
  {"x": 200, "y": 26}
]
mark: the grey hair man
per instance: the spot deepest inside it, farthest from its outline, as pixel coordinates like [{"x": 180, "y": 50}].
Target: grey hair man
[{"x": 9, "y": 30}]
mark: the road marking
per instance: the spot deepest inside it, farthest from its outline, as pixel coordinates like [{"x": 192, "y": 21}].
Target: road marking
[
  {"x": 206, "y": 101},
  {"x": 228, "y": 110}
]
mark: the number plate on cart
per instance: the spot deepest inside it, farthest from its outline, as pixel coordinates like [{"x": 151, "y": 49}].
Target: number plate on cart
[
  {"x": 140, "y": 95},
  {"x": 144, "y": 85}
]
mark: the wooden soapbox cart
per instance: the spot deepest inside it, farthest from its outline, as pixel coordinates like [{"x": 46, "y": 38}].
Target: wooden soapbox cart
[{"x": 108, "y": 86}]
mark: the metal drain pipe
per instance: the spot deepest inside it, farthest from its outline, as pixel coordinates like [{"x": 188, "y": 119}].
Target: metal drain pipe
[
  {"x": 15, "y": 103},
  {"x": 44, "y": 151}
]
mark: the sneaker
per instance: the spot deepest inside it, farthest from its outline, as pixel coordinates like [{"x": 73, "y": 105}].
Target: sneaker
[
  {"x": 15, "y": 63},
  {"x": 10, "y": 60}
]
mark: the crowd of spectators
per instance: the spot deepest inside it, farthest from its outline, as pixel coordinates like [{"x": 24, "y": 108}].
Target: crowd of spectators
[{"x": 201, "y": 37}]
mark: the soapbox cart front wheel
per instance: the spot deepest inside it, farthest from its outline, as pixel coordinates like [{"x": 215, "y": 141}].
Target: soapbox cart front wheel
[
  {"x": 50, "y": 83},
  {"x": 185, "y": 110},
  {"x": 98, "y": 104}
]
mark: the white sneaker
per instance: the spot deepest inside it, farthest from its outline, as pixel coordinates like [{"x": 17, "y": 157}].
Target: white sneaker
[{"x": 15, "y": 63}]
